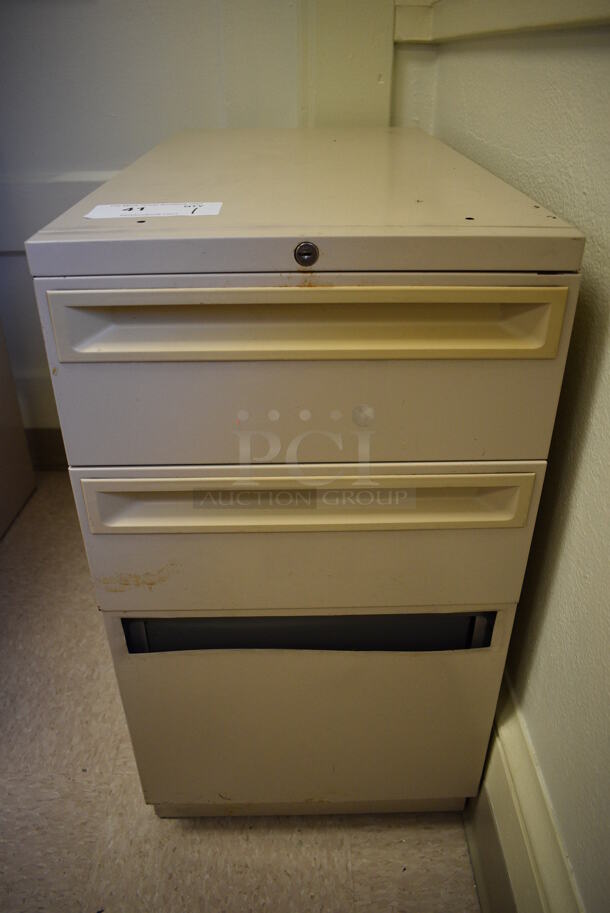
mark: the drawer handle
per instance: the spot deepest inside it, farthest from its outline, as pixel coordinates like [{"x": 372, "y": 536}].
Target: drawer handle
[
  {"x": 413, "y": 633},
  {"x": 239, "y": 505},
  {"x": 237, "y": 324}
]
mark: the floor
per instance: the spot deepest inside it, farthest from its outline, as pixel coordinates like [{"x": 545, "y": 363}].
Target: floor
[{"x": 75, "y": 834}]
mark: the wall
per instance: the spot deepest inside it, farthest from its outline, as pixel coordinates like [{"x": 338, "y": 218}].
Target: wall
[
  {"x": 414, "y": 86},
  {"x": 534, "y": 109},
  {"x": 88, "y": 85}
]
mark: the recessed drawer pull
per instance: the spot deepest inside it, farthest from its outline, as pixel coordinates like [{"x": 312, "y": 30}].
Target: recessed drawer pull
[
  {"x": 373, "y": 322},
  {"x": 284, "y": 504},
  {"x": 416, "y": 632}
]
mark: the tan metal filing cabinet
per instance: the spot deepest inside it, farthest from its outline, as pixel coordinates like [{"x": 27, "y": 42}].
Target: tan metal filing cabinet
[{"x": 307, "y": 383}]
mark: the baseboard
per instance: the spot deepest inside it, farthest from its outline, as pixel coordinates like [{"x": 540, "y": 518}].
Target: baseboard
[
  {"x": 46, "y": 448},
  {"x": 519, "y": 863},
  {"x": 488, "y": 864}
]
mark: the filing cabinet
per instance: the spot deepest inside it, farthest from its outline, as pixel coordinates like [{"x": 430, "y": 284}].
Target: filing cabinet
[{"x": 307, "y": 382}]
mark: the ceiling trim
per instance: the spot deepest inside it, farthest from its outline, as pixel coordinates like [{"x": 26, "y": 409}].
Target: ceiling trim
[{"x": 454, "y": 20}]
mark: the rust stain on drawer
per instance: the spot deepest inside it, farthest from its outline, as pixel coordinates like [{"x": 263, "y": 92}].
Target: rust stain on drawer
[{"x": 127, "y": 580}]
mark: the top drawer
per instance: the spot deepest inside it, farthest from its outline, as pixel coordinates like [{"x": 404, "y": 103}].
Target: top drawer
[{"x": 225, "y": 369}]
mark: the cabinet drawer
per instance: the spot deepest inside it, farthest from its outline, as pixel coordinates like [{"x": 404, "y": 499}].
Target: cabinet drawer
[
  {"x": 276, "y": 373},
  {"x": 224, "y": 539},
  {"x": 258, "y": 729}
]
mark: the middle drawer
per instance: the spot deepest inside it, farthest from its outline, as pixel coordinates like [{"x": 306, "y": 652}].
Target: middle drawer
[{"x": 274, "y": 538}]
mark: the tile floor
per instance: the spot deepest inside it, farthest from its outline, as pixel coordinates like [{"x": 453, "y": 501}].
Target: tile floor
[{"x": 75, "y": 834}]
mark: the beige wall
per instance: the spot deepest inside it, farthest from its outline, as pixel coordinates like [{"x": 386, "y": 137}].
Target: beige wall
[
  {"x": 535, "y": 110},
  {"x": 88, "y": 86}
]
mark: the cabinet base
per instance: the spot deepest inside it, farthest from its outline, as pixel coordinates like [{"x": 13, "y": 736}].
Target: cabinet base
[{"x": 168, "y": 810}]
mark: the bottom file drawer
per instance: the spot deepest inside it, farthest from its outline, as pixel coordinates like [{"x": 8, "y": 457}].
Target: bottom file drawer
[{"x": 250, "y": 729}]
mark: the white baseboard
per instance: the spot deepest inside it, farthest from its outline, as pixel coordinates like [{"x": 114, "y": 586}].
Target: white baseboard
[{"x": 517, "y": 854}]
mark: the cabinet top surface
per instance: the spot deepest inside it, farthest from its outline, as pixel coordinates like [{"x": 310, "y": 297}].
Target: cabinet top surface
[{"x": 326, "y": 185}]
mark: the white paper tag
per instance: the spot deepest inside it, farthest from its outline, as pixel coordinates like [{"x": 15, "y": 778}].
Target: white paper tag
[{"x": 152, "y": 210}]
